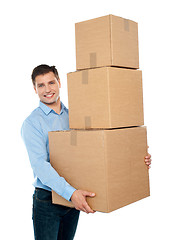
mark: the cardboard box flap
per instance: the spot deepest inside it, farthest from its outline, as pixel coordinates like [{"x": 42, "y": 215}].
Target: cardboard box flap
[
  {"x": 124, "y": 33},
  {"x": 125, "y": 96},
  {"x": 93, "y": 43},
  {"x": 87, "y": 92},
  {"x": 70, "y": 164},
  {"x": 127, "y": 172}
]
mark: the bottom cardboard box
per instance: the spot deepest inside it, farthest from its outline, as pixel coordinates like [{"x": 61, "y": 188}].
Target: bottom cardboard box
[{"x": 107, "y": 162}]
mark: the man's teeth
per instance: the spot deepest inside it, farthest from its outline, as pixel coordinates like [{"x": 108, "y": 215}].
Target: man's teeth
[{"x": 49, "y": 95}]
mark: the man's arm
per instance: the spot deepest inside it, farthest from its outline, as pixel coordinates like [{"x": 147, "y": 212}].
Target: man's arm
[{"x": 37, "y": 150}]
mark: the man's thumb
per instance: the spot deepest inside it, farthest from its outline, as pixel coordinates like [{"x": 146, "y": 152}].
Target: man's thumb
[{"x": 89, "y": 194}]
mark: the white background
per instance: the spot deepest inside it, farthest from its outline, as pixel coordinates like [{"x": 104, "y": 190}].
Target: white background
[{"x": 40, "y": 31}]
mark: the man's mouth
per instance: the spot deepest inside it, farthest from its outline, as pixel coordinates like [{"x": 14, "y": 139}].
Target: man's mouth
[{"x": 49, "y": 95}]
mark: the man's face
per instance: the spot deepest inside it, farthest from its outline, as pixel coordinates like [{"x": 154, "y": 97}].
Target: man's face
[{"x": 47, "y": 87}]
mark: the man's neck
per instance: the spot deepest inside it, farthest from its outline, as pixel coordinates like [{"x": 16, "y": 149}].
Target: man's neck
[{"x": 56, "y": 106}]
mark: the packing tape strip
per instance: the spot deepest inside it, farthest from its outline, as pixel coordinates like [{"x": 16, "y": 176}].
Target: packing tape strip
[
  {"x": 93, "y": 60},
  {"x": 85, "y": 77},
  {"x": 126, "y": 25},
  {"x": 87, "y": 120},
  {"x": 73, "y": 137}
]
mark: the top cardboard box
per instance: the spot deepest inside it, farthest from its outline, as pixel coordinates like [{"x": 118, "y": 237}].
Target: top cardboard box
[{"x": 107, "y": 41}]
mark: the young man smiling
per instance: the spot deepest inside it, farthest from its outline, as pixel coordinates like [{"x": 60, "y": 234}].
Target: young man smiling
[
  {"x": 50, "y": 221},
  {"x": 53, "y": 222}
]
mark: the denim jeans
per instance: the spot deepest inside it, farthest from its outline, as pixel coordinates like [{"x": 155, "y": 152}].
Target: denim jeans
[{"x": 51, "y": 221}]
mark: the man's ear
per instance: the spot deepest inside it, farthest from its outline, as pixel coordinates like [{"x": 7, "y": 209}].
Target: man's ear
[
  {"x": 59, "y": 83},
  {"x": 35, "y": 89}
]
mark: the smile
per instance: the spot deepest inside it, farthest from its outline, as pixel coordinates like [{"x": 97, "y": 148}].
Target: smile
[{"x": 49, "y": 95}]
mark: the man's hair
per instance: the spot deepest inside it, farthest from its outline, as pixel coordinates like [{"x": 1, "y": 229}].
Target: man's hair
[{"x": 43, "y": 69}]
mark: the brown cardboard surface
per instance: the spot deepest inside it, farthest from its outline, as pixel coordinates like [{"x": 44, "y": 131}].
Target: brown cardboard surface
[
  {"x": 107, "y": 41},
  {"x": 107, "y": 162},
  {"x": 107, "y": 97}
]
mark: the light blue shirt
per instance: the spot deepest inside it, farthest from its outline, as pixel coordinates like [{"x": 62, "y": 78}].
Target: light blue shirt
[{"x": 34, "y": 132}]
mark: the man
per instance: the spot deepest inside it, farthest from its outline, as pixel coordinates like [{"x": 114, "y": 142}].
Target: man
[{"x": 51, "y": 221}]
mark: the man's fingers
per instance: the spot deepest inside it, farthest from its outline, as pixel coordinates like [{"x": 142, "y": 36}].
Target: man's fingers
[
  {"x": 88, "y": 194},
  {"x": 148, "y": 156},
  {"x": 148, "y": 160},
  {"x": 83, "y": 209},
  {"x": 87, "y": 208},
  {"x": 79, "y": 200}
]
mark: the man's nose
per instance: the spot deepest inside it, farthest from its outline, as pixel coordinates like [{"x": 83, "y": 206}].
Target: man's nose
[{"x": 47, "y": 88}]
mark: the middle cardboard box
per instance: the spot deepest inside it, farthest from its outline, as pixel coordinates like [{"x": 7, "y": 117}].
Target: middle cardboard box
[{"x": 106, "y": 97}]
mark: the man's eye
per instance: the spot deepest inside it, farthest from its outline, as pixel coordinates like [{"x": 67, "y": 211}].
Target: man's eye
[
  {"x": 52, "y": 82},
  {"x": 40, "y": 85}
]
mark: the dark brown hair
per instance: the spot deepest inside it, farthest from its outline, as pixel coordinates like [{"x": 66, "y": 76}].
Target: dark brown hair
[{"x": 43, "y": 69}]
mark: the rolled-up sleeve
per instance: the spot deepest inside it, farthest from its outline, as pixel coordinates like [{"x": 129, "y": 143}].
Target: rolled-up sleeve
[{"x": 37, "y": 151}]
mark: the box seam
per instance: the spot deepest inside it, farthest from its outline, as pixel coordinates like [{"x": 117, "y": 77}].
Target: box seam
[
  {"x": 106, "y": 170},
  {"x": 109, "y": 102},
  {"x": 142, "y": 96},
  {"x": 111, "y": 47}
]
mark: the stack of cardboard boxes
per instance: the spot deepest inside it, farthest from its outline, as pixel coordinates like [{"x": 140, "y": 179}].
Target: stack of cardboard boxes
[{"x": 104, "y": 150}]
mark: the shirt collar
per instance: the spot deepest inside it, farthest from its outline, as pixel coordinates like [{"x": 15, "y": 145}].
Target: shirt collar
[{"x": 47, "y": 109}]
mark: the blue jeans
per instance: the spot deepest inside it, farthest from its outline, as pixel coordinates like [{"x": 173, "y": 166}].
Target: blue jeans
[{"x": 51, "y": 221}]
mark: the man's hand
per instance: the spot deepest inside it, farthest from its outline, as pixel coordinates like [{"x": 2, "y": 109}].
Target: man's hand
[
  {"x": 78, "y": 199},
  {"x": 148, "y": 160}
]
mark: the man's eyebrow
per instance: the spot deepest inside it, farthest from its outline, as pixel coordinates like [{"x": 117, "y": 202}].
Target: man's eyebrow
[
  {"x": 52, "y": 80},
  {"x": 48, "y": 82},
  {"x": 39, "y": 83}
]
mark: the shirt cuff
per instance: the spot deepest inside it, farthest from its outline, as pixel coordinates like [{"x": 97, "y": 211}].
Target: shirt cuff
[{"x": 69, "y": 190}]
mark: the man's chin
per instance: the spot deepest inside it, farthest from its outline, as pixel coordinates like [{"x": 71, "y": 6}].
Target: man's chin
[{"x": 49, "y": 102}]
